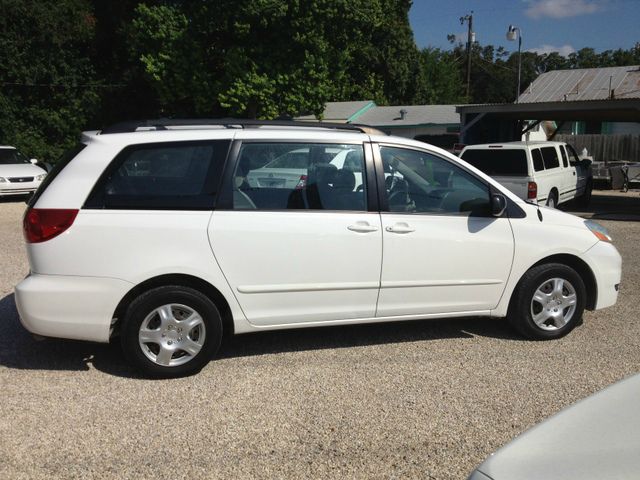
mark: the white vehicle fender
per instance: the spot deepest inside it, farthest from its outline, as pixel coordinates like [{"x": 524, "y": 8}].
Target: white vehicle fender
[{"x": 535, "y": 242}]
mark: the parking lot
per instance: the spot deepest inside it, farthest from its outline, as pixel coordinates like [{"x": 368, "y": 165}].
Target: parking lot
[{"x": 426, "y": 399}]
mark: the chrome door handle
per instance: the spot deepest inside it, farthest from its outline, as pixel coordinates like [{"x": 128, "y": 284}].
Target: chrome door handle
[
  {"x": 362, "y": 227},
  {"x": 400, "y": 228}
]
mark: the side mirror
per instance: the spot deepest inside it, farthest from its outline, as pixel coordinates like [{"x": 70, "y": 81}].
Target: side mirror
[
  {"x": 33, "y": 161},
  {"x": 498, "y": 204}
]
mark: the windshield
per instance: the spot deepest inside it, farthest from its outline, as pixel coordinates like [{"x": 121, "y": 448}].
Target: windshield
[
  {"x": 498, "y": 162},
  {"x": 11, "y": 156}
]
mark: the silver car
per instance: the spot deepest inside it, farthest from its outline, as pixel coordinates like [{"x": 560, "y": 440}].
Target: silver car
[{"x": 597, "y": 438}]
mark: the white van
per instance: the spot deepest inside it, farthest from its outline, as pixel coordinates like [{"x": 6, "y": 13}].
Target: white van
[
  {"x": 544, "y": 172},
  {"x": 156, "y": 237}
]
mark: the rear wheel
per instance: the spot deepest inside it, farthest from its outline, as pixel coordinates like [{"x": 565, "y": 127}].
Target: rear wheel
[
  {"x": 171, "y": 331},
  {"x": 548, "y": 302},
  {"x": 552, "y": 200}
]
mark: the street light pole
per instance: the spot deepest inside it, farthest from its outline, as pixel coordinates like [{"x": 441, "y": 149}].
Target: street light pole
[
  {"x": 470, "y": 35},
  {"x": 511, "y": 35}
]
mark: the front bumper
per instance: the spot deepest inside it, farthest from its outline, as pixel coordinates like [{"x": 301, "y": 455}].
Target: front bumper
[
  {"x": 606, "y": 264},
  {"x": 18, "y": 188},
  {"x": 79, "y": 308}
]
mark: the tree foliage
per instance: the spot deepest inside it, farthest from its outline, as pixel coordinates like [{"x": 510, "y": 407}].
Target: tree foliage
[
  {"x": 48, "y": 81},
  {"x": 70, "y": 65}
]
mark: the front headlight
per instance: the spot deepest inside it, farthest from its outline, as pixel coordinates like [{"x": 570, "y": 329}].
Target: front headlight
[
  {"x": 39, "y": 178},
  {"x": 598, "y": 230}
]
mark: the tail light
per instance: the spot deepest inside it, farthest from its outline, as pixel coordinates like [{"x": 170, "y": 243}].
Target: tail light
[
  {"x": 42, "y": 224},
  {"x": 532, "y": 190},
  {"x": 302, "y": 182}
]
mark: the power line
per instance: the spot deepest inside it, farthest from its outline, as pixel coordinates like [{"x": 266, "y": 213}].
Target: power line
[{"x": 64, "y": 85}]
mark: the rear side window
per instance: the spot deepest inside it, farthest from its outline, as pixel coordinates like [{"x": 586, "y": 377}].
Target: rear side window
[
  {"x": 299, "y": 176},
  {"x": 538, "y": 163},
  {"x": 62, "y": 162},
  {"x": 563, "y": 152},
  {"x": 503, "y": 162},
  {"x": 550, "y": 157},
  {"x": 162, "y": 176}
]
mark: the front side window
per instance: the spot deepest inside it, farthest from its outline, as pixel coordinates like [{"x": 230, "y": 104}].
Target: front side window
[
  {"x": 550, "y": 157},
  {"x": 573, "y": 156},
  {"x": 294, "y": 176},
  {"x": 171, "y": 176},
  {"x": 563, "y": 152},
  {"x": 419, "y": 182}
]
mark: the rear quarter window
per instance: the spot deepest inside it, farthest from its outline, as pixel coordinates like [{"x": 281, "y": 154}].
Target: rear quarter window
[
  {"x": 162, "y": 176},
  {"x": 59, "y": 165},
  {"x": 550, "y": 157},
  {"x": 538, "y": 163},
  {"x": 498, "y": 162}
]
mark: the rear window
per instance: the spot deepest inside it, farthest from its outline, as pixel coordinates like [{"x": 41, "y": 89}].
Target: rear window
[
  {"x": 162, "y": 176},
  {"x": 62, "y": 162},
  {"x": 550, "y": 157},
  {"x": 506, "y": 162}
]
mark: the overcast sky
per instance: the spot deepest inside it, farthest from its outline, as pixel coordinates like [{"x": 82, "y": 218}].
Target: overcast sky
[{"x": 547, "y": 25}]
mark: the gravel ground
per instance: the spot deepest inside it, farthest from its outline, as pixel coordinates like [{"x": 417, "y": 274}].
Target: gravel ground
[{"x": 412, "y": 400}]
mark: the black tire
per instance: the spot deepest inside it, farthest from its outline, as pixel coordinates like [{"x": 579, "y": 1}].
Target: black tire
[
  {"x": 552, "y": 199},
  {"x": 175, "y": 297},
  {"x": 522, "y": 306},
  {"x": 585, "y": 199}
]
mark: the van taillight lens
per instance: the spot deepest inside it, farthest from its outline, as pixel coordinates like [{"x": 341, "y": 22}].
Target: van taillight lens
[
  {"x": 42, "y": 224},
  {"x": 532, "y": 190}
]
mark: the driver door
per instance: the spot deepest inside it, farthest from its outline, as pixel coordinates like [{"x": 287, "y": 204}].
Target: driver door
[{"x": 442, "y": 250}]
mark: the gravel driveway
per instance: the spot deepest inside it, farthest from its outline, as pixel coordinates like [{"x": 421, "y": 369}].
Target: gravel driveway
[{"x": 428, "y": 399}]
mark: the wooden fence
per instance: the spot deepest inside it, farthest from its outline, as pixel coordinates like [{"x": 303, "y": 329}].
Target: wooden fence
[{"x": 605, "y": 148}]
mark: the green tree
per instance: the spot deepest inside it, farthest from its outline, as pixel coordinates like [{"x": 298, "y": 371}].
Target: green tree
[
  {"x": 265, "y": 58},
  {"x": 47, "y": 80},
  {"x": 441, "y": 81}
]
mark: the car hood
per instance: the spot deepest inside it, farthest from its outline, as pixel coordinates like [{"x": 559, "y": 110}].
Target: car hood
[
  {"x": 594, "y": 439},
  {"x": 552, "y": 216},
  {"x": 20, "y": 170}
]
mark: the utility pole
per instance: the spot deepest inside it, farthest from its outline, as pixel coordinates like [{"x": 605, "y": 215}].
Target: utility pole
[{"x": 470, "y": 38}]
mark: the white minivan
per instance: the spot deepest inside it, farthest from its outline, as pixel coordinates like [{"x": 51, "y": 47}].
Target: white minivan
[{"x": 150, "y": 232}]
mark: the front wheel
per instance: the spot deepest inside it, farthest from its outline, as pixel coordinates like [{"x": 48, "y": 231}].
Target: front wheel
[
  {"x": 548, "y": 302},
  {"x": 171, "y": 331}
]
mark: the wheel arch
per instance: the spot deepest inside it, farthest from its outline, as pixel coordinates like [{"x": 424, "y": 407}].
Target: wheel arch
[
  {"x": 580, "y": 266},
  {"x": 183, "y": 280}
]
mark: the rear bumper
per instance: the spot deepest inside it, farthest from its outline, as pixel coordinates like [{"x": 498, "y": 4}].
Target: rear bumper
[
  {"x": 79, "y": 308},
  {"x": 606, "y": 264}
]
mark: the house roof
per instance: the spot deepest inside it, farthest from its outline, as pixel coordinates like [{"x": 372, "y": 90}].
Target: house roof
[
  {"x": 622, "y": 110},
  {"x": 341, "y": 111},
  {"x": 584, "y": 84},
  {"x": 414, "y": 115}
]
